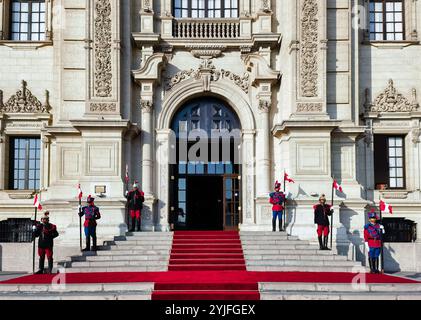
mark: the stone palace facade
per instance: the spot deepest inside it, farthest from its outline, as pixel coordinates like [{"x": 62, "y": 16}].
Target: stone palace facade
[{"x": 318, "y": 89}]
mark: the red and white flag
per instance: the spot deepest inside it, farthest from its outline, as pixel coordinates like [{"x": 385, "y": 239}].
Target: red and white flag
[
  {"x": 79, "y": 192},
  {"x": 384, "y": 206},
  {"x": 287, "y": 178},
  {"x": 126, "y": 178},
  {"x": 337, "y": 186},
  {"x": 37, "y": 204}
]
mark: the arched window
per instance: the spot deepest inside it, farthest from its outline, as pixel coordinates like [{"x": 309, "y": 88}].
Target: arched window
[
  {"x": 27, "y": 20},
  {"x": 205, "y": 8}
]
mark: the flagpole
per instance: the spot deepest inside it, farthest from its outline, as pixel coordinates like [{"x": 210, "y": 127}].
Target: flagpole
[
  {"x": 34, "y": 238},
  {"x": 127, "y": 204},
  {"x": 285, "y": 203},
  {"x": 80, "y": 219},
  {"x": 331, "y": 220},
  {"x": 382, "y": 256}
]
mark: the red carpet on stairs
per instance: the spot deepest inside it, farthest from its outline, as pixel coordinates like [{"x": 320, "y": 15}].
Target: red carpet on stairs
[{"x": 206, "y": 251}]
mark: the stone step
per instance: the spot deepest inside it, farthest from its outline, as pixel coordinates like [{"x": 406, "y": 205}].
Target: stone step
[
  {"x": 293, "y": 256},
  {"x": 295, "y": 262},
  {"x": 145, "y": 287},
  {"x": 96, "y": 296},
  {"x": 133, "y": 252},
  {"x": 261, "y": 233},
  {"x": 340, "y": 287},
  {"x": 278, "y": 246},
  {"x": 149, "y": 234},
  {"x": 148, "y": 268},
  {"x": 274, "y": 242},
  {"x": 140, "y": 243},
  {"x": 298, "y": 268},
  {"x": 268, "y": 237},
  {"x": 286, "y": 251},
  {"x": 122, "y": 257},
  {"x": 300, "y": 295},
  {"x": 139, "y": 247},
  {"x": 120, "y": 263}
]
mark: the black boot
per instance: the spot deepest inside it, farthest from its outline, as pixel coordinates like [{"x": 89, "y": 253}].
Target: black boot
[
  {"x": 321, "y": 243},
  {"x": 94, "y": 247},
  {"x": 325, "y": 240},
  {"x": 50, "y": 266},
  {"x": 88, "y": 244},
  {"x": 133, "y": 225},
  {"x": 376, "y": 266},
  {"x": 273, "y": 224},
  {"x": 138, "y": 229},
  {"x": 370, "y": 262},
  {"x": 41, "y": 265},
  {"x": 280, "y": 226}
]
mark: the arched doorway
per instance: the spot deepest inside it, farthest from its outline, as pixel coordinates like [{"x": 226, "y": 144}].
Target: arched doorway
[{"x": 205, "y": 182}]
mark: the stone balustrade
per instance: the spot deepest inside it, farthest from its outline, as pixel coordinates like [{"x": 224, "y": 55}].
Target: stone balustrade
[{"x": 206, "y": 28}]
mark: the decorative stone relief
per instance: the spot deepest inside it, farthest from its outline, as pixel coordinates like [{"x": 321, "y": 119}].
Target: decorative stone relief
[
  {"x": 309, "y": 107},
  {"x": 391, "y": 101},
  {"x": 416, "y": 133},
  {"x": 208, "y": 72},
  {"x": 309, "y": 48},
  {"x": 266, "y": 6},
  {"x": 25, "y": 102},
  {"x": 103, "y": 107},
  {"x": 146, "y": 106},
  {"x": 265, "y": 105},
  {"x": 102, "y": 49},
  {"x": 207, "y": 51}
]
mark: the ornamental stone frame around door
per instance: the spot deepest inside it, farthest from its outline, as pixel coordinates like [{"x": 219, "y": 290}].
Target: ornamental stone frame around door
[{"x": 174, "y": 99}]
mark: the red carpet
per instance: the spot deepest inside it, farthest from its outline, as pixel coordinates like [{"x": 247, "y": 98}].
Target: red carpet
[
  {"x": 206, "y": 251},
  {"x": 208, "y": 271}
]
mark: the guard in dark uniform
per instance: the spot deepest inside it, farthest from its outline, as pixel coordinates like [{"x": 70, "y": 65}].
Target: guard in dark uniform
[
  {"x": 91, "y": 213},
  {"x": 373, "y": 233},
  {"x": 135, "y": 199},
  {"x": 46, "y": 232},
  {"x": 277, "y": 199},
  {"x": 322, "y": 211}
]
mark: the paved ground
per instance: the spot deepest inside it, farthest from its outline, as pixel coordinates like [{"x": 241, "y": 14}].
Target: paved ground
[
  {"x": 10, "y": 275},
  {"x": 409, "y": 275}
]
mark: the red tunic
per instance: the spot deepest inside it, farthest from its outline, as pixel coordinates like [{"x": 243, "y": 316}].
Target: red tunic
[
  {"x": 373, "y": 235},
  {"x": 277, "y": 198}
]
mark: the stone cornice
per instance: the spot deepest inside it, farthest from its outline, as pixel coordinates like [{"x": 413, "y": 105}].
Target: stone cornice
[
  {"x": 152, "y": 69},
  {"x": 288, "y": 125}
]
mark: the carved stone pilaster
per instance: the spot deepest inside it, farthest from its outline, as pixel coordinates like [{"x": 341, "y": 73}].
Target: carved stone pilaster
[
  {"x": 309, "y": 48},
  {"x": 146, "y": 106},
  {"x": 102, "y": 49}
]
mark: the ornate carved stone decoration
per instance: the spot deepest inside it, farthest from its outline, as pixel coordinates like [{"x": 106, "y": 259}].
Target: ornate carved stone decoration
[
  {"x": 146, "y": 106},
  {"x": 416, "y": 133},
  {"x": 266, "y": 6},
  {"x": 392, "y": 101},
  {"x": 207, "y": 51},
  {"x": 103, "y": 107},
  {"x": 102, "y": 49},
  {"x": 25, "y": 102},
  {"x": 309, "y": 107},
  {"x": 265, "y": 105},
  {"x": 208, "y": 72},
  {"x": 309, "y": 48},
  {"x": 147, "y": 6}
]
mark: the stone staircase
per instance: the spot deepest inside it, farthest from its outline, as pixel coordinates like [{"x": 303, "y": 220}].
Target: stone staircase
[
  {"x": 135, "y": 252},
  {"x": 276, "y": 251}
]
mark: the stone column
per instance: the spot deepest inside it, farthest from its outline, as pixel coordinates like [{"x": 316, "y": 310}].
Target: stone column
[
  {"x": 147, "y": 156},
  {"x": 263, "y": 150},
  {"x": 247, "y": 180},
  {"x": 1, "y": 20}
]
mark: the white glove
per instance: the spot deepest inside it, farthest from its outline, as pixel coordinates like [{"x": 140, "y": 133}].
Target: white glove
[
  {"x": 126, "y": 193},
  {"x": 366, "y": 246},
  {"x": 34, "y": 228},
  {"x": 382, "y": 229}
]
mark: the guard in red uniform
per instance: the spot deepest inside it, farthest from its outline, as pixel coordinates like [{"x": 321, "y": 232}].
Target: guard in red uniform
[
  {"x": 373, "y": 232},
  {"x": 135, "y": 199},
  {"x": 322, "y": 211},
  {"x": 46, "y": 232},
  {"x": 277, "y": 199},
  {"x": 91, "y": 213}
]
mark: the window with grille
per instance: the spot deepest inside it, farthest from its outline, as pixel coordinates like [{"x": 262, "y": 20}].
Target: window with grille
[
  {"x": 387, "y": 20},
  {"x": 389, "y": 162},
  {"x": 205, "y": 8},
  {"x": 27, "y": 20},
  {"x": 25, "y": 163}
]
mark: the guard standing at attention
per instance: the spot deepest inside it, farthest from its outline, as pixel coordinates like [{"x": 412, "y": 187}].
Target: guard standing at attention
[{"x": 91, "y": 213}]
